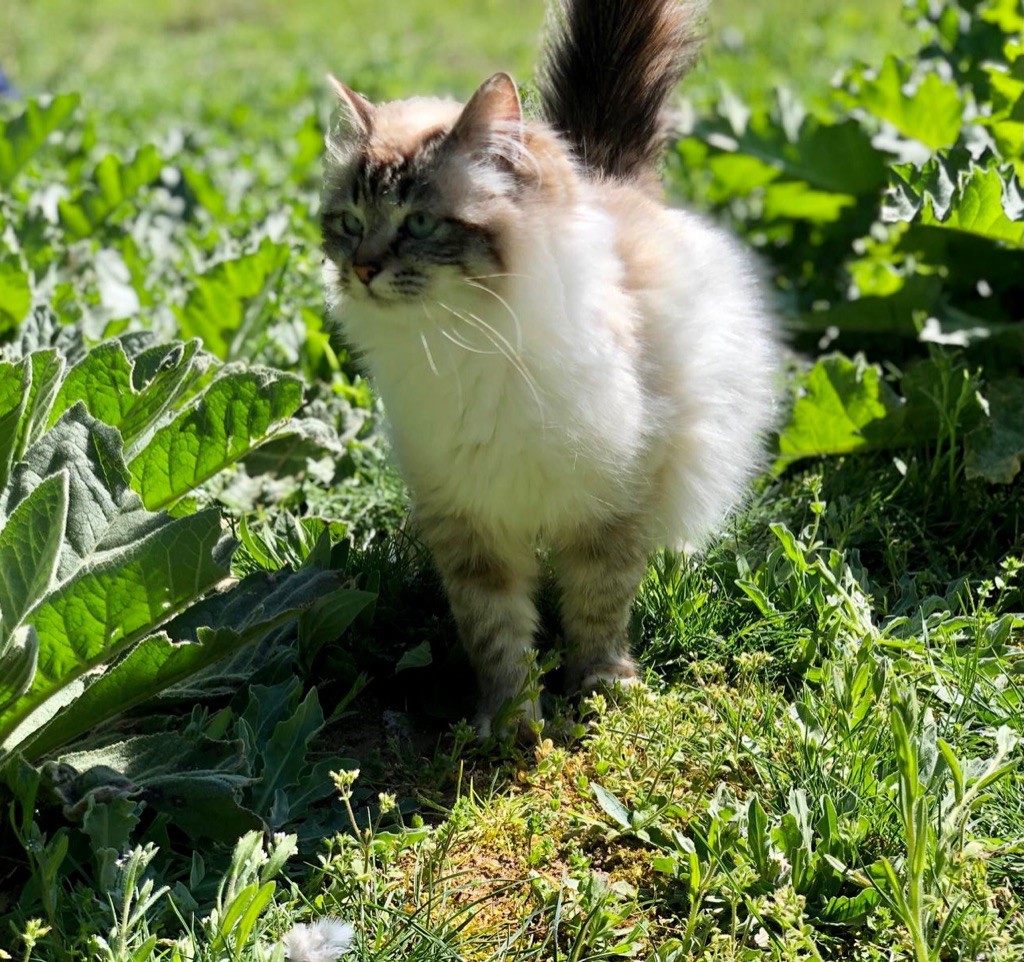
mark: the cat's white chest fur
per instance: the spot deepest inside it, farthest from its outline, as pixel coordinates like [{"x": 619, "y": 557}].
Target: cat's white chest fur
[
  {"x": 518, "y": 410},
  {"x": 582, "y": 394}
]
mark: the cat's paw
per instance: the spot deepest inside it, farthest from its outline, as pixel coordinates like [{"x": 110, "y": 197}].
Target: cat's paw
[{"x": 604, "y": 675}]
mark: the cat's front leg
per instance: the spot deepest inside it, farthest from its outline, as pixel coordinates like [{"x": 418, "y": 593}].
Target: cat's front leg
[
  {"x": 490, "y": 584},
  {"x": 599, "y": 570}
]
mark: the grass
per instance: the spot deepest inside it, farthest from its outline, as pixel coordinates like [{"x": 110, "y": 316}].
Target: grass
[
  {"x": 822, "y": 764},
  {"x": 156, "y": 63}
]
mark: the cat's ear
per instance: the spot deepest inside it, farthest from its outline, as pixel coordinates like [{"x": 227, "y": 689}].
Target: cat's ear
[
  {"x": 357, "y": 112},
  {"x": 492, "y": 121}
]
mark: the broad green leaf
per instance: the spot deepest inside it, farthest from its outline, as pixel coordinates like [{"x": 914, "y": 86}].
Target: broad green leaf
[
  {"x": 114, "y": 182},
  {"x": 183, "y": 371},
  {"x": 30, "y": 544},
  {"x": 828, "y": 158},
  {"x": 236, "y": 413},
  {"x": 331, "y": 616},
  {"x": 840, "y": 401},
  {"x": 995, "y": 449},
  {"x": 288, "y": 453},
  {"x": 134, "y": 394},
  {"x": 21, "y": 137},
  {"x": 284, "y": 757},
  {"x": 851, "y": 910},
  {"x": 955, "y": 194},
  {"x": 931, "y": 113},
  {"x": 153, "y": 569},
  {"x": 978, "y": 208},
  {"x": 315, "y": 784},
  {"x": 195, "y": 781},
  {"x": 102, "y": 381},
  {"x": 210, "y": 630},
  {"x": 99, "y": 492},
  {"x": 227, "y": 300},
  {"x": 15, "y": 295}
]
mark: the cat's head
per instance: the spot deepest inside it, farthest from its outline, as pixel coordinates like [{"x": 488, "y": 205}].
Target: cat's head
[{"x": 421, "y": 194}]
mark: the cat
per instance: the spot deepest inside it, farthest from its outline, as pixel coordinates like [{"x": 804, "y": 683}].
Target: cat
[{"x": 563, "y": 359}]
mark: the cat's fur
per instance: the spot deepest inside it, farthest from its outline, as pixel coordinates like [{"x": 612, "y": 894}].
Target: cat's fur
[{"x": 563, "y": 359}]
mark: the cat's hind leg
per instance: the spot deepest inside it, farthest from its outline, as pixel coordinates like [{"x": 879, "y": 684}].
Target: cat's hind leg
[{"x": 599, "y": 571}]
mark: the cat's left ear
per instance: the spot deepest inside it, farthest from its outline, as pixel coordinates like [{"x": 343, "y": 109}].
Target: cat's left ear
[
  {"x": 492, "y": 121},
  {"x": 357, "y": 112}
]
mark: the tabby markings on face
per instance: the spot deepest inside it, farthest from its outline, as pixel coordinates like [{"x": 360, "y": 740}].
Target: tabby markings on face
[{"x": 388, "y": 228}]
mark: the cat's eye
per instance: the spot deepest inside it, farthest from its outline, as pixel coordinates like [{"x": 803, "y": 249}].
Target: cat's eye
[
  {"x": 351, "y": 223},
  {"x": 420, "y": 224}
]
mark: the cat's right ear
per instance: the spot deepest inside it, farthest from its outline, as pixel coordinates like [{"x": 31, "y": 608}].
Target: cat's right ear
[{"x": 357, "y": 112}]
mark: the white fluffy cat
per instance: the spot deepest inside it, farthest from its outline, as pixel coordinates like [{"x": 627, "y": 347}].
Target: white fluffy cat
[{"x": 563, "y": 359}]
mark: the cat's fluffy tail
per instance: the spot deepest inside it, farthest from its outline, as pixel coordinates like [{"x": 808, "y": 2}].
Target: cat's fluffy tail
[{"x": 609, "y": 67}]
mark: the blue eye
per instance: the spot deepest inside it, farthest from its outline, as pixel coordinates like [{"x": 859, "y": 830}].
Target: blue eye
[
  {"x": 420, "y": 224},
  {"x": 351, "y": 223}
]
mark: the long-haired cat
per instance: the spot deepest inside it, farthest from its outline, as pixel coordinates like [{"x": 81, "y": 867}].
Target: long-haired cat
[{"x": 564, "y": 360}]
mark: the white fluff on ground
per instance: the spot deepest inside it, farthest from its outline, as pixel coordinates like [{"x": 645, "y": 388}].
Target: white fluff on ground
[{"x": 325, "y": 940}]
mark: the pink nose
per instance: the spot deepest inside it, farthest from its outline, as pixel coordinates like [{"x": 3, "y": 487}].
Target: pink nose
[{"x": 366, "y": 272}]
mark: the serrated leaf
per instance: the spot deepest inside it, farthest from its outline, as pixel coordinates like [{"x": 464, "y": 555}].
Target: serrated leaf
[
  {"x": 114, "y": 182},
  {"x": 181, "y": 372},
  {"x": 210, "y": 631},
  {"x": 236, "y": 412},
  {"x": 229, "y": 295},
  {"x": 841, "y": 399},
  {"x": 21, "y": 137},
  {"x": 195, "y": 781},
  {"x": 956, "y": 194},
  {"x": 978, "y": 208},
  {"x": 102, "y": 381},
  {"x": 153, "y": 568},
  {"x": 930, "y": 113},
  {"x": 816, "y": 160},
  {"x": 98, "y": 492}
]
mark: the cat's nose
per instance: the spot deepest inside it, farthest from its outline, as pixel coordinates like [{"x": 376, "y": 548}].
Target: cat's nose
[{"x": 366, "y": 272}]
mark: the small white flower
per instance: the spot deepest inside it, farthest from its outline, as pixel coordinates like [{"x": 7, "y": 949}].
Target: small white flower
[
  {"x": 762, "y": 939},
  {"x": 325, "y": 940}
]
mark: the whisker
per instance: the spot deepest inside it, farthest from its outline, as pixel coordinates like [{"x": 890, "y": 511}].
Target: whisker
[
  {"x": 484, "y": 277},
  {"x": 504, "y": 348},
  {"x": 454, "y": 366},
  {"x": 430, "y": 357},
  {"x": 463, "y": 344},
  {"x": 508, "y": 307}
]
